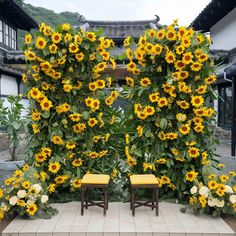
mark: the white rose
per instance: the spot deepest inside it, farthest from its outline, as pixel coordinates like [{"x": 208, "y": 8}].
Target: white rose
[
  {"x": 232, "y": 199},
  {"x": 204, "y": 191},
  {"x": 13, "y": 201},
  {"x": 29, "y": 202},
  {"x": 44, "y": 198},
  {"x": 193, "y": 190},
  {"x": 211, "y": 202},
  {"x": 228, "y": 189},
  {"x": 220, "y": 203},
  {"x": 37, "y": 187},
  {"x": 21, "y": 194}
]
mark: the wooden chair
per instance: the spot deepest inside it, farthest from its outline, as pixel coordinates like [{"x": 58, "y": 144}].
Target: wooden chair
[
  {"x": 90, "y": 181},
  {"x": 144, "y": 181}
]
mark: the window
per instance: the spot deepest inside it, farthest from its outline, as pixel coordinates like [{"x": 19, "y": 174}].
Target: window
[
  {"x": 1, "y": 31},
  {"x": 7, "y": 35},
  {"x": 225, "y": 106}
]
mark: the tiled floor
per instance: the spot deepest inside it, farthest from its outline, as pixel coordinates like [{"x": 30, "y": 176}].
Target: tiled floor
[{"x": 120, "y": 222}]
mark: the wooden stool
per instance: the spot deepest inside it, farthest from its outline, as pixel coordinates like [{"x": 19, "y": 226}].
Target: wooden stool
[
  {"x": 94, "y": 181},
  {"x": 144, "y": 181}
]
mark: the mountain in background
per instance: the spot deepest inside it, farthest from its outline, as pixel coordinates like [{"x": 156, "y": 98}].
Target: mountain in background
[{"x": 47, "y": 16}]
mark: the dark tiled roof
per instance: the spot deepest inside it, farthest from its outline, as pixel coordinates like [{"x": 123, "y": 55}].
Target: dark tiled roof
[
  {"x": 11, "y": 69},
  {"x": 12, "y": 11},
  {"x": 120, "y": 29},
  {"x": 15, "y": 55},
  {"x": 212, "y": 13}
]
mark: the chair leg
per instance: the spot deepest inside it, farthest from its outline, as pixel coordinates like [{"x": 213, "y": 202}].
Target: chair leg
[
  {"x": 82, "y": 200},
  {"x": 86, "y": 198},
  {"x": 133, "y": 201},
  {"x": 105, "y": 201},
  {"x": 131, "y": 198},
  {"x": 157, "y": 201},
  {"x": 153, "y": 198},
  {"x": 107, "y": 198}
]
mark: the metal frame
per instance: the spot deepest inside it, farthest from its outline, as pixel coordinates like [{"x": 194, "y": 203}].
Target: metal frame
[
  {"x": 85, "y": 202},
  {"x": 154, "y": 203}
]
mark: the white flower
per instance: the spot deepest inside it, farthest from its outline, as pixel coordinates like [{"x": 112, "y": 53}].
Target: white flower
[
  {"x": 193, "y": 190},
  {"x": 204, "y": 191},
  {"x": 29, "y": 202},
  {"x": 44, "y": 198},
  {"x": 37, "y": 187},
  {"x": 232, "y": 199},
  {"x": 228, "y": 189},
  {"x": 21, "y": 194},
  {"x": 4, "y": 206},
  {"x": 220, "y": 203},
  {"x": 211, "y": 201},
  {"x": 13, "y": 200}
]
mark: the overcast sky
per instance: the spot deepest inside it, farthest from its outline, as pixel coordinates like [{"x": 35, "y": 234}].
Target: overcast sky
[{"x": 185, "y": 10}]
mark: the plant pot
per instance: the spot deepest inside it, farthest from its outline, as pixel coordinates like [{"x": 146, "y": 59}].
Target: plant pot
[{"x": 10, "y": 165}]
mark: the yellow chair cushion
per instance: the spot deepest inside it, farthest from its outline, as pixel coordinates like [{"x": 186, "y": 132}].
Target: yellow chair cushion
[
  {"x": 95, "y": 179},
  {"x": 143, "y": 179}
]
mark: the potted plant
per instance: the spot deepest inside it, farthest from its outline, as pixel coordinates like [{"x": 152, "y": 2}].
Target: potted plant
[{"x": 12, "y": 119}]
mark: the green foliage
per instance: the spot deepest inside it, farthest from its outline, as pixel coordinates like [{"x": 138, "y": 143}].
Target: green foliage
[{"x": 12, "y": 119}]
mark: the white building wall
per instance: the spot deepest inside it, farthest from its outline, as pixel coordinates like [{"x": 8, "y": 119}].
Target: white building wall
[
  {"x": 223, "y": 33},
  {"x": 8, "y": 85}
]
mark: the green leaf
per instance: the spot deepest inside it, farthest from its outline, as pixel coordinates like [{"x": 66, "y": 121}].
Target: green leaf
[
  {"x": 45, "y": 115},
  {"x": 85, "y": 115},
  {"x": 99, "y": 31},
  {"x": 16, "y": 125},
  {"x": 163, "y": 123}
]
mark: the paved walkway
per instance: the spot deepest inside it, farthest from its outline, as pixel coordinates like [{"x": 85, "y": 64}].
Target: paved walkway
[{"x": 120, "y": 222}]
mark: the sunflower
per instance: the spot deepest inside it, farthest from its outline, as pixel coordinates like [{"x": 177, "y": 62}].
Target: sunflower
[
  {"x": 193, "y": 152},
  {"x": 197, "y": 101},
  {"x": 73, "y": 48},
  {"x": 153, "y": 97},
  {"x": 70, "y": 145},
  {"x": 165, "y": 179},
  {"x": 53, "y": 48},
  {"x": 34, "y": 93},
  {"x": 46, "y": 104},
  {"x": 180, "y": 49},
  {"x": 187, "y": 57},
  {"x": 91, "y": 36},
  {"x": 100, "y": 84},
  {"x": 149, "y": 110},
  {"x": 202, "y": 201},
  {"x": 129, "y": 81},
  {"x": 157, "y": 49},
  {"x": 141, "y": 115},
  {"x": 179, "y": 65},
  {"x": 47, "y": 151},
  {"x": 171, "y": 136},
  {"x": 57, "y": 140},
  {"x": 199, "y": 128},
  {"x": 92, "y": 122},
  {"x": 61, "y": 179},
  {"x": 170, "y": 57},
  {"x": 76, "y": 183},
  {"x": 160, "y": 34},
  {"x": 201, "y": 89},
  {"x": 30, "y": 55},
  {"x": 67, "y": 87},
  {"x": 56, "y": 37},
  {"x": 145, "y": 82},
  {"x": 75, "y": 117},
  {"x": 31, "y": 209},
  {"x": 93, "y": 86},
  {"x": 186, "y": 42},
  {"x": 40, "y": 43},
  {"x": 79, "y": 56},
  {"x": 77, "y": 162},
  {"x": 191, "y": 176},
  {"x": 181, "y": 117},
  {"x": 131, "y": 66},
  {"x": 224, "y": 178},
  {"x": 139, "y": 131},
  {"x": 28, "y": 38},
  {"x": 162, "y": 101},
  {"x": 212, "y": 185},
  {"x": 184, "y": 129},
  {"x": 171, "y": 34},
  {"x": 203, "y": 57},
  {"x": 196, "y": 66},
  {"x": 35, "y": 128},
  {"x": 26, "y": 184},
  {"x": 210, "y": 80},
  {"x": 54, "y": 167},
  {"x": 183, "y": 104}
]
